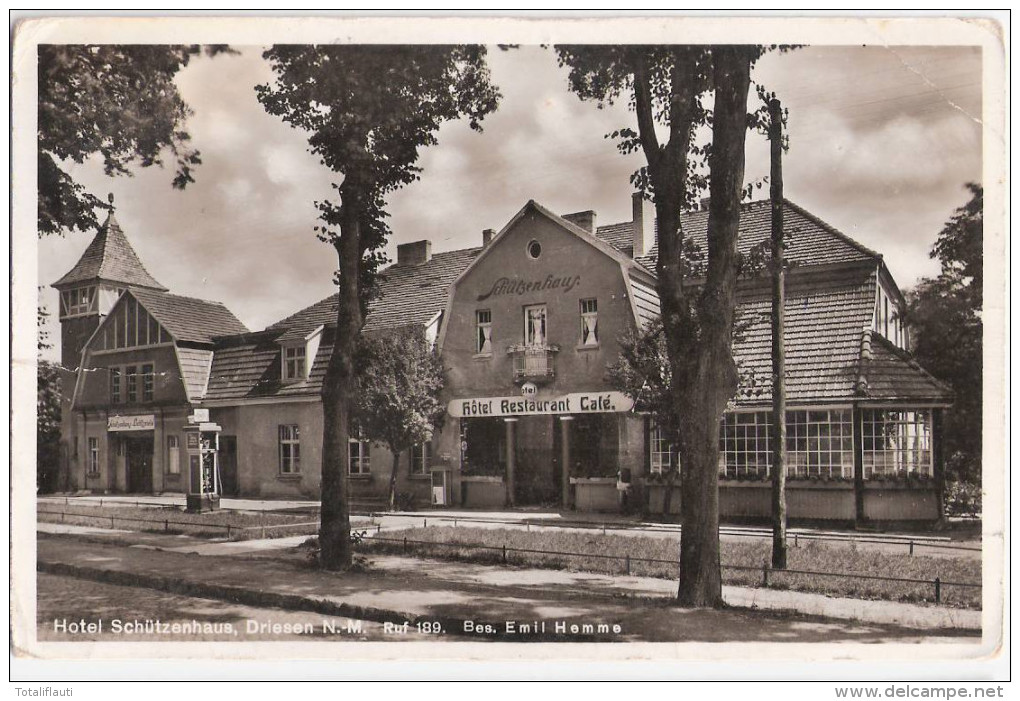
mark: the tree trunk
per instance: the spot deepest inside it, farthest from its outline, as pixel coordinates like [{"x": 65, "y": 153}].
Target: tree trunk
[
  {"x": 393, "y": 479},
  {"x": 667, "y": 495},
  {"x": 712, "y": 380},
  {"x": 779, "y": 549},
  {"x": 337, "y": 395}
]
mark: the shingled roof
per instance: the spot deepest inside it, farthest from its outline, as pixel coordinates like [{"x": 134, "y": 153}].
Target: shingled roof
[
  {"x": 825, "y": 316},
  {"x": 188, "y": 319},
  {"x": 110, "y": 257},
  {"x": 887, "y": 373},
  {"x": 407, "y": 294},
  {"x": 810, "y": 241}
]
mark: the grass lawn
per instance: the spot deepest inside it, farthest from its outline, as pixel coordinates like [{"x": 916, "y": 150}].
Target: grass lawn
[
  {"x": 811, "y": 556},
  {"x": 174, "y": 519}
]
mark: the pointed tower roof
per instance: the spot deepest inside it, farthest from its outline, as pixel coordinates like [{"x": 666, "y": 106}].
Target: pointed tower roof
[{"x": 110, "y": 257}]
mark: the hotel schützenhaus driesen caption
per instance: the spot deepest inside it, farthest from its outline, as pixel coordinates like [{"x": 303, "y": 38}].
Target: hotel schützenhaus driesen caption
[{"x": 171, "y": 391}]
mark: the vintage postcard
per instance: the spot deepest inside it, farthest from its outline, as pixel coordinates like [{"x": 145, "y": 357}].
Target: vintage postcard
[{"x": 450, "y": 339}]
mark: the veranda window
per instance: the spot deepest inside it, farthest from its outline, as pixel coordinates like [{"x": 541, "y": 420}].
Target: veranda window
[
  {"x": 819, "y": 443},
  {"x": 897, "y": 442}
]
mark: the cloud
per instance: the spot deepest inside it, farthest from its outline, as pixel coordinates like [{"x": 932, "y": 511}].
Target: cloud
[{"x": 881, "y": 145}]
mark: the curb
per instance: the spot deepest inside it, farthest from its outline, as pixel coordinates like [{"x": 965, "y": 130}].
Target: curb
[{"x": 292, "y": 602}]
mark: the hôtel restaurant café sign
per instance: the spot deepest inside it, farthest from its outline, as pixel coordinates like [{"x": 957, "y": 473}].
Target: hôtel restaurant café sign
[{"x": 576, "y": 403}]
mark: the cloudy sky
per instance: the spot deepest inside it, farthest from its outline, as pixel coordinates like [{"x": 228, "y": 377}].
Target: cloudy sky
[{"x": 882, "y": 141}]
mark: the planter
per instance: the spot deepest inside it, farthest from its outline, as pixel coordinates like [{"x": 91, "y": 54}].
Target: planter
[
  {"x": 482, "y": 491},
  {"x": 656, "y": 495},
  {"x": 595, "y": 494}
]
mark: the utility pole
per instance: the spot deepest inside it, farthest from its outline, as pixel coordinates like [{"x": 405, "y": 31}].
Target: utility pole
[{"x": 778, "y": 345}]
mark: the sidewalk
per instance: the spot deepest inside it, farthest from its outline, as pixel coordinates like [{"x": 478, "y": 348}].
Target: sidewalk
[
  {"x": 398, "y": 589},
  {"x": 619, "y": 524}
]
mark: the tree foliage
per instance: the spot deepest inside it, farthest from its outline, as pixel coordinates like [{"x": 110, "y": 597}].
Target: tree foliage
[
  {"x": 369, "y": 110},
  {"x": 47, "y": 414},
  {"x": 399, "y": 380},
  {"x": 944, "y": 314},
  {"x": 668, "y": 88},
  {"x": 118, "y": 102}
]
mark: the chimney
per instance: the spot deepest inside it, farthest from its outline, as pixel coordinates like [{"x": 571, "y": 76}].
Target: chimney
[
  {"x": 414, "y": 253},
  {"x": 643, "y": 226},
  {"x": 705, "y": 201},
  {"x": 585, "y": 220},
  {"x": 487, "y": 235}
]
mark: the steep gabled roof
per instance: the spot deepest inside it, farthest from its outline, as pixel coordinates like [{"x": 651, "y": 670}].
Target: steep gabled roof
[
  {"x": 628, "y": 264},
  {"x": 186, "y": 318},
  {"x": 110, "y": 257},
  {"x": 810, "y": 241}
]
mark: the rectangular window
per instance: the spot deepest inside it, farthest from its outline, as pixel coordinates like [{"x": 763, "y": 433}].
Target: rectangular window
[
  {"x": 744, "y": 445},
  {"x": 93, "y": 456},
  {"x": 290, "y": 450},
  {"x": 896, "y": 442},
  {"x": 360, "y": 454},
  {"x": 115, "y": 385},
  {"x": 535, "y": 326},
  {"x": 421, "y": 458},
  {"x": 294, "y": 363},
  {"x": 148, "y": 382},
  {"x": 483, "y": 337},
  {"x": 173, "y": 450},
  {"x": 662, "y": 454},
  {"x": 589, "y": 322},
  {"x": 819, "y": 444},
  {"x": 131, "y": 373},
  {"x": 79, "y": 300}
]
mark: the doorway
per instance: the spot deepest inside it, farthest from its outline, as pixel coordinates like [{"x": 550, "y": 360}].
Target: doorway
[
  {"x": 138, "y": 459},
  {"x": 229, "y": 486}
]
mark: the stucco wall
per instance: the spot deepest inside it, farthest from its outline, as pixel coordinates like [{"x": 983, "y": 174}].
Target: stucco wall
[
  {"x": 168, "y": 388},
  {"x": 256, "y": 427},
  {"x": 575, "y": 270},
  {"x": 112, "y": 475}
]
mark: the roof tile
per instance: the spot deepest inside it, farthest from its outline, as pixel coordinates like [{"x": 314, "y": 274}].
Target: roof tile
[
  {"x": 189, "y": 319},
  {"x": 110, "y": 257}
]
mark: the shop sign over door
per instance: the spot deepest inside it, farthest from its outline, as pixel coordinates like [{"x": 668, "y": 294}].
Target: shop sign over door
[
  {"x": 141, "y": 422},
  {"x": 576, "y": 403}
]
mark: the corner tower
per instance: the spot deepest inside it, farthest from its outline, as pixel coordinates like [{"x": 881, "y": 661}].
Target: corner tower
[{"x": 88, "y": 291}]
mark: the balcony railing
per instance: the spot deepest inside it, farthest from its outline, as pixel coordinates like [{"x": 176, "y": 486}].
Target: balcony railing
[{"x": 534, "y": 363}]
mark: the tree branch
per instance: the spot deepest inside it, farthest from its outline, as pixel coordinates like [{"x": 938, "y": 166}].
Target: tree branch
[{"x": 645, "y": 115}]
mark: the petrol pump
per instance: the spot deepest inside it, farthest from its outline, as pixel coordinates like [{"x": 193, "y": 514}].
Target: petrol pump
[{"x": 202, "y": 442}]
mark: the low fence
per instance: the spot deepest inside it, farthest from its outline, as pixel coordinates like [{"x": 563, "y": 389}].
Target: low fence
[
  {"x": 768, "y": 573},
  {"x": 604, "y": 527},
  {"x": 794, "y": 538},
  {"x": 229, "y": 530}
]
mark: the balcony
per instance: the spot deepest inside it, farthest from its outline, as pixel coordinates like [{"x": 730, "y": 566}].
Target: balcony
[{"x": 534, "y": 363}]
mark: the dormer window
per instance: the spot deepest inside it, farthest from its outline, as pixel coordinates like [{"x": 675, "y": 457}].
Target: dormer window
[{"x": 294, "y": 363}]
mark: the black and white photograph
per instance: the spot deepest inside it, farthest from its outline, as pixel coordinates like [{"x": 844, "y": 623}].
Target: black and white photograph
[{"x": 611, "y": 338}]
